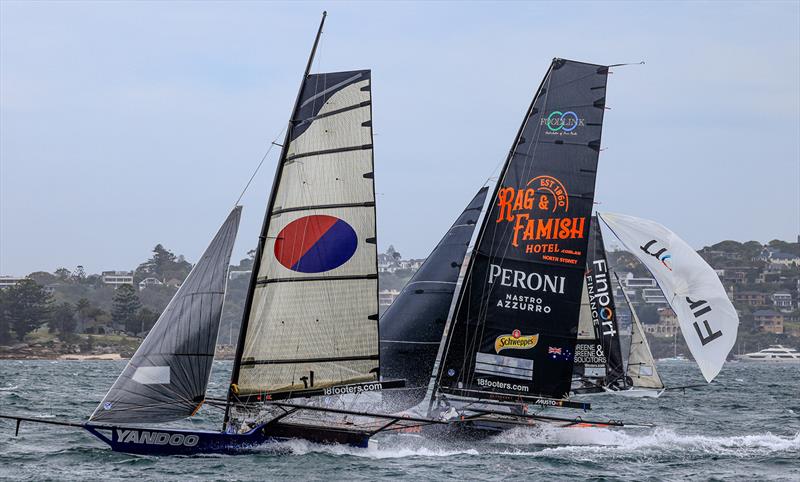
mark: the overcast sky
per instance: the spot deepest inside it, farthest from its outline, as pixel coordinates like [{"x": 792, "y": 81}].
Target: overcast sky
[{"x": 123, "y": 125}]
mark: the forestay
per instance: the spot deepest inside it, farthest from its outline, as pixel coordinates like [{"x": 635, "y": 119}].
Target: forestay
[
  {"x": 166, "y": 378},
  {"x": 312, "y": 320},
  {"x": 514, "y": 324},
  {"x": 708, "y": 320}
]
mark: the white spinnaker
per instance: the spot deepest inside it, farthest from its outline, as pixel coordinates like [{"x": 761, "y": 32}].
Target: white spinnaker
[{"x": 708, "y": 321}]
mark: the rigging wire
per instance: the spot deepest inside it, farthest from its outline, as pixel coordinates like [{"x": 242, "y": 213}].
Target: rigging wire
[
  {"x": 629, "y": 63},
  {"x": 261, "y": 163}
]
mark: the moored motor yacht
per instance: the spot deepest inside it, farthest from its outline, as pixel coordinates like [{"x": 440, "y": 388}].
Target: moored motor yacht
[{"x": 775, "y": 353}]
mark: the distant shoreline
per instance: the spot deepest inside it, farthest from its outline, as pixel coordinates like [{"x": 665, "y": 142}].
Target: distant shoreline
[{"x": 71, "y": 357}]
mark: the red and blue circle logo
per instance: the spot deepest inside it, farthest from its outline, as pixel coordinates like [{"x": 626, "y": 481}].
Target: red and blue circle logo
[{"x": 314, "y": 244}]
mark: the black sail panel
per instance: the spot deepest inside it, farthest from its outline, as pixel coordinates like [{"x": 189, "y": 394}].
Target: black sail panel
[
  {"x": 412, "y": 326},
  {"x": 166, "y": 378},
  {"x": 604, "y": 311},
  {"x": 514, "y": 328}
]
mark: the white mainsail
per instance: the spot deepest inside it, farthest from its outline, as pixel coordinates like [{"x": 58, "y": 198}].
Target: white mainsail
[
  {"x": 708, "y": 320},
  {"x": 313, "y": 320}
]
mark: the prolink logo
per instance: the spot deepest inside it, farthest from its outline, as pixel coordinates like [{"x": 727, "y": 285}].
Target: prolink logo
[{"x": 562, "y": 123}]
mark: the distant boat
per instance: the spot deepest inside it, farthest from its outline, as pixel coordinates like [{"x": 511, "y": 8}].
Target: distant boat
[
  {"x": 773, "y": 354},
  {"x": 675, "y": 356}
]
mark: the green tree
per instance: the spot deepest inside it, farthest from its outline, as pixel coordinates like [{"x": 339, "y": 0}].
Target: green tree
[
  {"x": 163, "y": 265},
  {"x": 82, "y": 308},
  {"x": 126, "y": 304},
  {"x": 63, "y": 274},
  {"x": 247, "y": 263},
  {"x": 43, "y": 278},
  {"x": 26, "y": 307},
  {"x": 79, "y": 275},
  {"x": 5, "y": 321},
  {"x": 62, "y": 319},
  {"x": 145, "y": 319}
]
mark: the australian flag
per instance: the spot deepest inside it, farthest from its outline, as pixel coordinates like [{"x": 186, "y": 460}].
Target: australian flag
[{"x": 559, "y": 353}]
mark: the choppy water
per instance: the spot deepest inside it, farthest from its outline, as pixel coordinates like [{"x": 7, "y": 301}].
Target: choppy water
[{"x": 746, "y": 426}]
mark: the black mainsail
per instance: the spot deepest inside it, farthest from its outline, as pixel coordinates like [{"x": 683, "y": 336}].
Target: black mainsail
[
  {"x": 311, "y": 315},
  {"x": 513, "y": 327},
  {"x": 166, "y": 378},
  {"x": 412, "y": 327},
  {"x": 598, "y": 357}
]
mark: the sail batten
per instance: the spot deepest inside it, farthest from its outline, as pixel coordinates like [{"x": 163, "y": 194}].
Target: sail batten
[
  {"x": 513, "y": 323},
  {"x": 166, "y": 378},
  {"x": 312, "y": 317}
]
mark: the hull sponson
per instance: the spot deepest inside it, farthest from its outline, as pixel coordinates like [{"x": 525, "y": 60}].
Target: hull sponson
[{"x": 157, "y": 441}]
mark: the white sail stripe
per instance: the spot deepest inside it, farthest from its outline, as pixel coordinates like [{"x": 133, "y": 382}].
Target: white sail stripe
[
  {"x": 509, "y": 372},
  {"x": 333, "y": 87},
  {"x": 508, "y": 361}
]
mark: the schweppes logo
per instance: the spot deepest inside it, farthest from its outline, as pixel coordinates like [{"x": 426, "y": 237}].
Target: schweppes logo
[{"x": 515, "y": 341}]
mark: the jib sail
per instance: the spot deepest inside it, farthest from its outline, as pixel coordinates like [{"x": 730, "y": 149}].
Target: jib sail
[
  {"x": 412, "y": 326},
  {"x": 167, "y": 377},
  {"x": 603, "y": 309},
  {"x": 708, "y": 320},
  {"x": 514, "y": 326},
  {"x": 311, "y": 319},
  {"x": 642, "y": 372}
]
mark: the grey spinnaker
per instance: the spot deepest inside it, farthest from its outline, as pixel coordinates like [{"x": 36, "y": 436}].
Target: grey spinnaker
[
  {"x": 412, "y": 327},
  {"x": 167, "y": 377}
]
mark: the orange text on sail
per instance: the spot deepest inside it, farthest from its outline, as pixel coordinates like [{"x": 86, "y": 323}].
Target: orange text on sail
[{"x": 547, "y": 195}]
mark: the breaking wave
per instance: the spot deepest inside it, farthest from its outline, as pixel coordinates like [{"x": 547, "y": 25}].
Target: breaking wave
[
  {"x": 393, "y": 447},
  {"x": 586, "y": 444},
  {"x": 615, "y": 443}
]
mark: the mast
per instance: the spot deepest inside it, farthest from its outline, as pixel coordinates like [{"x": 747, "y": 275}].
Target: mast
[
  {"x": 265, "y": 224},
  {"x": 468, "y": 257}
]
